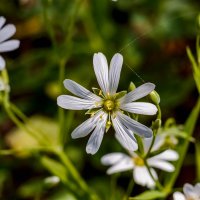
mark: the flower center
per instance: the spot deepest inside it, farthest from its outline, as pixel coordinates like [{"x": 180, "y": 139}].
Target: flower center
[
  {"x": 109, "y": 105},
  {"x": 138, "y": 161}
]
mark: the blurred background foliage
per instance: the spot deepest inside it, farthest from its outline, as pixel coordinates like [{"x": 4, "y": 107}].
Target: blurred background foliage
[{"x": 151, "y": 35}]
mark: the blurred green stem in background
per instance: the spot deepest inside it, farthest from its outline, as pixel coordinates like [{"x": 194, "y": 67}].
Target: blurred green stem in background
[
  {"x": 61, "y": 58},
  {"x": 62, "y": 61},
  {"x": 196, "y": 62}
]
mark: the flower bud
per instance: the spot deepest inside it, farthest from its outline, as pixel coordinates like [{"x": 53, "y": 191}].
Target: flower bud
[
  {"x": 154, "y": 96},
  {"x": 131, "y": 86}
]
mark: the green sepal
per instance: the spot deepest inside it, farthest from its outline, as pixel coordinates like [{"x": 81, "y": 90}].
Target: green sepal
[
  {"x": 92, "y": 111},
  {"x": 97, "y": 91},
  {"x": 120, "y": 94}
]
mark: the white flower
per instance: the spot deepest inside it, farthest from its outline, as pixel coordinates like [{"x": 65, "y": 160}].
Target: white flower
[
  {"x": 121, "y": 162},
  {"x": 190, "y": 193},
  {"x": 107, "y": 107},
  {"x": 5, "y": 33}
]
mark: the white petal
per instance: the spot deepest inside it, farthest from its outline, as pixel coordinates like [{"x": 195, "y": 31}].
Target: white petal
[
  {"x": 6, "y": 32},
  {"x": 86, "y": 127},
  {"x": 95, "y": 139},
  {"x": 140, "y": 108},
  {"x": 189, "y": 191},
  {"x": 2, "y": 63},
  {"x": 9, "y": 45},
  {"x": 161, "y": 164},
  {"x": 123, "y": 135},
  {"x": 178, "y": 196},
  {"x": 197, "y": 189},
  {"x": 159, "y": 141},
  {"x": 142, "y": 177},
  {"x": 2, "y": 21},
  {"x": 169, "y": 155},
  {"x": 101, "y": 71},
  {"x": 128, "y": 143},
  {"x": 124, "y": 165},
  {"x": 79, "y": 90},
  {"x": 135, "y": 126},
  {"x": 74, "y": 103},
  {"x": 113, "y": 158},
  {"x": 114, "y": 72},
  {"x": 138, "y": 93}
]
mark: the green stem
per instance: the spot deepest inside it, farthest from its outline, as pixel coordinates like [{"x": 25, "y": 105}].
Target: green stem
[
  {"x": 129, "y": 189},
  {"x": 152, "y": 143},
  {"x": 158, "y": 184},
  {"x": 22, "y": 126},
  {"x": 63, "y": 157},
  {"x": 113, "y": 186},
  {"x": 155, "y": 130},
  {"x": 49, "y": 27},
  {"x": 24, "y": 118}
]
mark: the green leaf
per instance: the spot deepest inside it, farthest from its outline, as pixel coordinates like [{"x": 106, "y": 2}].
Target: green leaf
[
  {"x": 196, "y": 68},
  {"x": 149, "y": 195}
]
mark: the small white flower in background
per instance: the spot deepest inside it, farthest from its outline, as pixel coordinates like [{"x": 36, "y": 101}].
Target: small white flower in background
[
  {"x": 108, "y": 106},
  {"x": 52, "y": 180},
  {"x": 190, "y": 192},
  {"x": 162, "y": 140},
  {"x": 5, "y": 33},
  {"x": 3, "y": 86},
  {"x": 121, "y": 162}
]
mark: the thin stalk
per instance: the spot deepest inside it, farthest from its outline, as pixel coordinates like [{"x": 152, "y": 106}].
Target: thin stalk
[
  {"x": 49, "y": 27},
  {"x": 158, "y": 184},
  {"x": 22, "y": 126},
  {"x": 63, "y": 157},
  {"x": 24, "y": 118},
  {"x": 113, "y": 186},
  {"x": 154, "y": 131},
  {"x": 152, "y": 143},
  {"x": 129, "y": 189}
]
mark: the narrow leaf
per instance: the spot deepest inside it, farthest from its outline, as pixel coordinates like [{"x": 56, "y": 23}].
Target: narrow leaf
[{"x": 149, "y": 195}]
